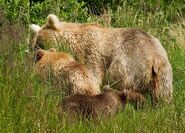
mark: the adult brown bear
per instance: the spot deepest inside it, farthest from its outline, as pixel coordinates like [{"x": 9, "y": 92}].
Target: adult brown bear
[{"x": 132, "y": 58}]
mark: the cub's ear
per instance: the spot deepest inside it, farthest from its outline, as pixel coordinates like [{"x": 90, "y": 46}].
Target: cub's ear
[
  {"x": 35, "y": 28},
  {"x": 106, "y": 87},
  {"x": 52, "y": 50},
  {"x": 39, "y": 54},
  {"x": 53, "y": 21}
]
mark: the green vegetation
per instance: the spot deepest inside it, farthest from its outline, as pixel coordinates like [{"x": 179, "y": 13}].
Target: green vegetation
[{"x": 30, "y": 105}]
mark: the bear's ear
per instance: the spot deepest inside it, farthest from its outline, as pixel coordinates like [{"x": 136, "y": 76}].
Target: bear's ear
[
  {"x": 39, "y": 55},
  {"x": 53, "y": 21},
  {"x": 35, "y": 28},
  {"x": 106, "y": 87},
  {"x": 52, "y": 50}
]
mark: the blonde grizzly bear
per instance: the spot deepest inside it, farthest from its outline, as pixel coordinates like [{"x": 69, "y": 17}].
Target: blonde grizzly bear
[
  {"x": 104, "y": 105},
  {"x": 61, "y": 65},
  {"x": 131, "y": 58}
]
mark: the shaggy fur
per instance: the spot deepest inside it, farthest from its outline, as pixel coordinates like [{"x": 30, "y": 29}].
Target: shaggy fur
[
  {"x": 61, "y": 65},
  {"x": 131, "y": 58},
  {"x": 104, "y": 105}
]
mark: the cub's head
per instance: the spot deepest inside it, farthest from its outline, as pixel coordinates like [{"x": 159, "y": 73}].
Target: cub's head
[
  {"x": 40, "y": 53},
  {"x": 119, "y": 98},
  {"x": 124, "y": 96},
  {"x": 47, "y": 36},
  {"x": 51, "y": 56}
]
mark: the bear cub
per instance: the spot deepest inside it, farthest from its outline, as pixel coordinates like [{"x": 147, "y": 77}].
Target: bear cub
[
  {"x": 104, "y": 105},
  {"x": 62, "y": 66}
]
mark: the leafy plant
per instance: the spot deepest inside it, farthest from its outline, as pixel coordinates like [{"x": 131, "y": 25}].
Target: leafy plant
[
  {"x": 16, "y": 10},
  {"x": 70, "y": 10}
]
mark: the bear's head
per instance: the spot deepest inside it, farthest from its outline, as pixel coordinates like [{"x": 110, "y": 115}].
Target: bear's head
[
  {"x": 52, "y": 56},
  {"x": 40, "y": 53},
  {"x": 47, "y": 36},
  {"x": 49, "y": 62},
  {"x": 131, "y": 96}
]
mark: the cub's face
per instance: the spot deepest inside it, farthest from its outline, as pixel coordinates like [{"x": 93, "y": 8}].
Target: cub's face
[
  {"x": 39, "y": 54},
  {"x": 52, "y": 57},
  {"x": 47, "y": 36}
]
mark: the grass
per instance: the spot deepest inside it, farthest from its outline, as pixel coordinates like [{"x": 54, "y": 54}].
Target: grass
[{"x": 30, "y": 105}]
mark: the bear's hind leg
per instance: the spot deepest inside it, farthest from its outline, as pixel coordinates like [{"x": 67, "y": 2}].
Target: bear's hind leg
[{"x": 162, "y": 84}]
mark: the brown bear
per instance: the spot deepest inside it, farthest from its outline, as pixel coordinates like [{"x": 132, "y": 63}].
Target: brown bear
[
  {"x": 62, "y": 66},
  {"x": 100, "y": 106},
  {"x": 130, "y": 57}
]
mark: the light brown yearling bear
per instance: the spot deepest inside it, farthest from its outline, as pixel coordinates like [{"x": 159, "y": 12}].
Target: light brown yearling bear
[
  {"x": 100, "y": 106},
  {"x": 63, "y": 67},
  {"x": 131, "y": 58}
]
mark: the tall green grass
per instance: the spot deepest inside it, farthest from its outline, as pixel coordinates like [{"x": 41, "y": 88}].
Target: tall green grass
[{"x": 28, "y": 104}]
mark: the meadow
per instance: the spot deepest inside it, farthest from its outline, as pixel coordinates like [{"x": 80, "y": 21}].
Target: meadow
[{"x": 28, "y": 104}]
